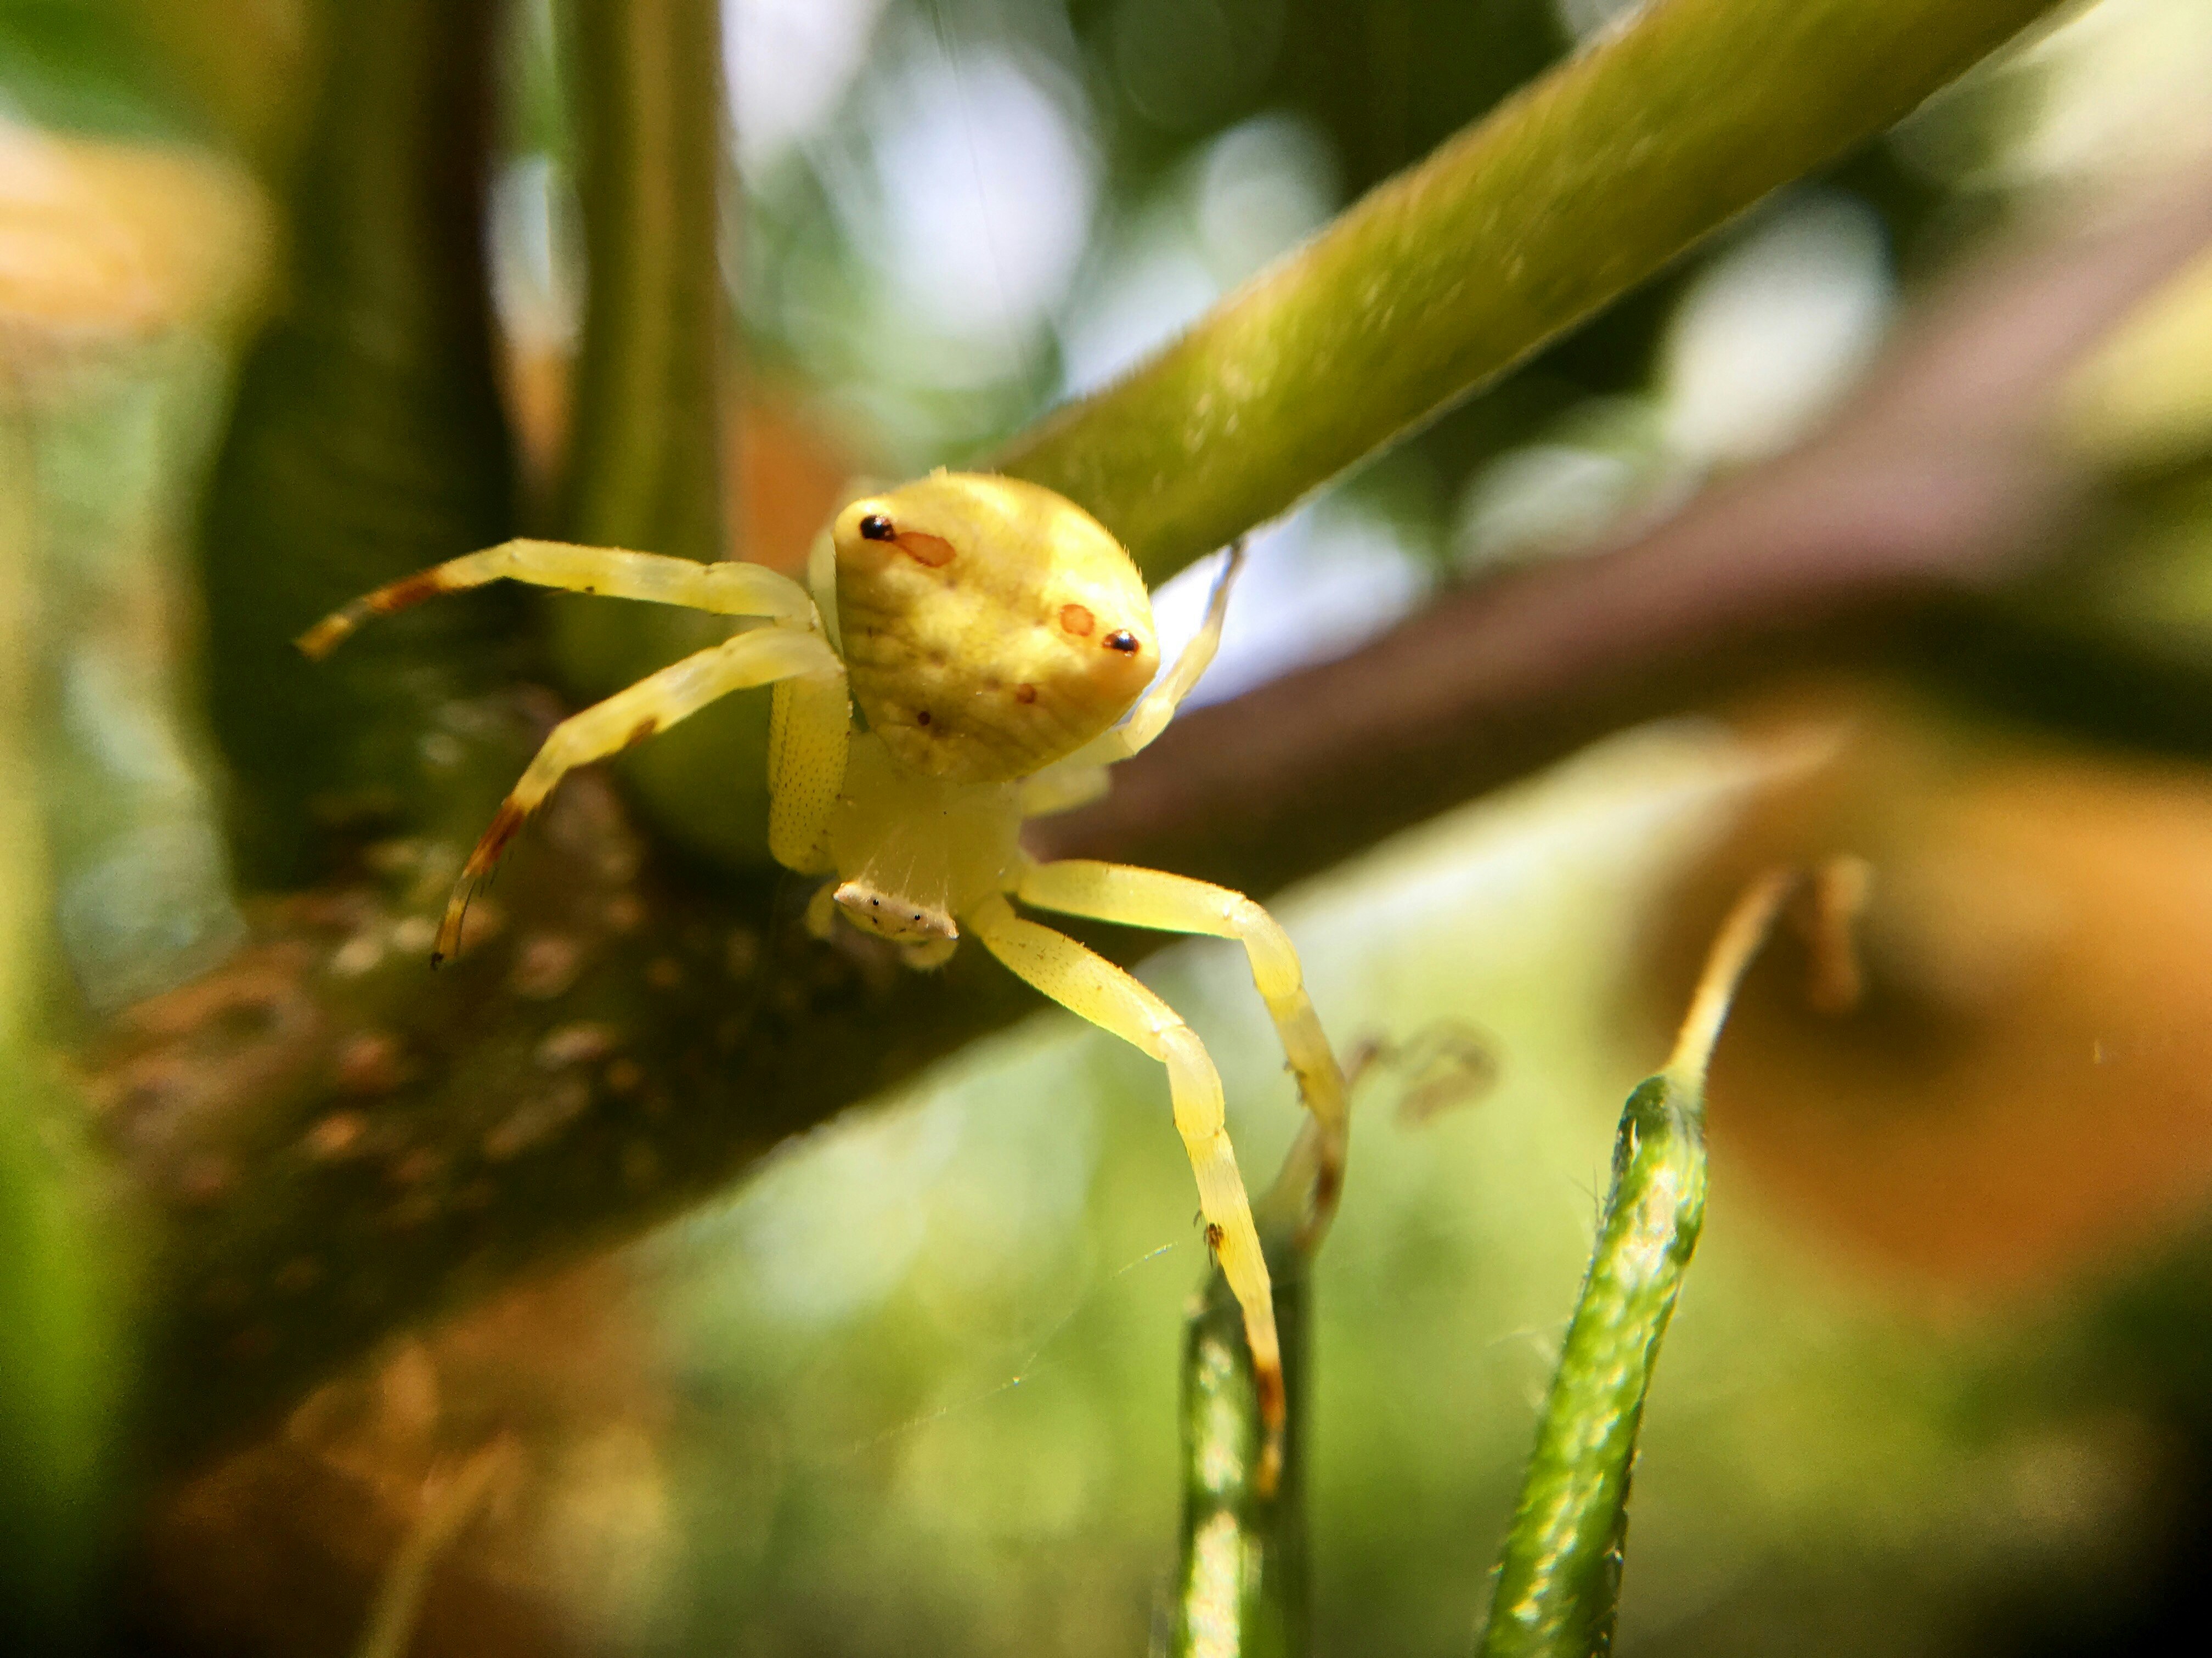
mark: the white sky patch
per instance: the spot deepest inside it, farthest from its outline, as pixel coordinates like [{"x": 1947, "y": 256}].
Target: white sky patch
[
  {"x": 1256, "y": 193},
  {"x": 2123, "y": 92},
  {"x": 1312, "y": 588},
  {"x": 1775, "y": 329},
  {"x": 976, "y": 206},
  {"x": 1545, "y": 498},
  {"x": 1263, "y": 187},
  {"x": 533, "y": 269},
  {"x": 1583, "y": 18},
  {"x": 790, "y": 63},
  {"x": 1152, "y": 292}
]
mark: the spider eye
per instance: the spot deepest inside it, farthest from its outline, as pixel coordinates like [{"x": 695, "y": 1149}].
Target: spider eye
[
  {"x": 1122, "y": 640},
  {"x": 877, "y": 527}
]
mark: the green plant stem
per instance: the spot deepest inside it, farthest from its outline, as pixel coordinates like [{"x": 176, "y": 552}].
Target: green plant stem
[
  {"x": 1240, "y": 1585},
  {"x": 1557, "y": 202},
  {"x": 1559, "y": 1582},
  {"x": 646, "y": 462},
  {"x": 63, "y": 1370}
]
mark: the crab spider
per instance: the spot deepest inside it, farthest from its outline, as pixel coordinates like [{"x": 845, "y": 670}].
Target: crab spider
[{"x": 992, "y": 635}]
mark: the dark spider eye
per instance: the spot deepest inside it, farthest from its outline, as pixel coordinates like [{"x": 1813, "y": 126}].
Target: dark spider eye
[
  {"x": 877, "y": 527},
  {"x": 1122, "y": 640}
]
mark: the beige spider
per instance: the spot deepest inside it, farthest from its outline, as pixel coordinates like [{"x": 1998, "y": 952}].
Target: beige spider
[{"x": 991, "y": 636}]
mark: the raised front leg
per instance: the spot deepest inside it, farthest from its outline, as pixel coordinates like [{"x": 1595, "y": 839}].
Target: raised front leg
[
  {"x": 724, "y": 589},
  {"x": 1174, "y": 903},
  {"x": 626, "y": 718},
  {"x": 1085, "y": 983},
  {"x": 1157, "y": 706},
  {"x": 1071, "y": 781}
]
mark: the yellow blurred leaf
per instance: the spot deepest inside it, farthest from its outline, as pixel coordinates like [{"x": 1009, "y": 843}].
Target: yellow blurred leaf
[{"x": 105, "y": 238}]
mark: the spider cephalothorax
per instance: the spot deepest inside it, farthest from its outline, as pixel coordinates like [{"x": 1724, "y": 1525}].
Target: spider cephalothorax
[
  {"x": 989, "y": 627},
  {"x": 998, "y": 643}
]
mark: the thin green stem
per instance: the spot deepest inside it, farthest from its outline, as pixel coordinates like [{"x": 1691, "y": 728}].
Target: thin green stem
[
  {"x": 1737, "y": 942},
  {"x": 644, "y": 466},
  {"x": 64, "y": 1373},
  {"x": 1241, "y": 1588},
  {"x": 1559, "y": 1582}
]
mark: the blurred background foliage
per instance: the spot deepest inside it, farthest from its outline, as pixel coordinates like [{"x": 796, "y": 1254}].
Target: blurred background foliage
[{"x": 1938, "y": 1385}]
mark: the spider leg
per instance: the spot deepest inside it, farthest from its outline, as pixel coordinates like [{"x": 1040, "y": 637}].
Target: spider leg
[
  {"x": 1087, "y": 984},
  {"x": 1174, "y": 903},
  {"x": 1157, "y": 706},
  {"x": 629, "y": 717},
  {"x": 809, "y": 729},
  {"x": 727, "y": 589},
  {"x": 822, "y": 911}
]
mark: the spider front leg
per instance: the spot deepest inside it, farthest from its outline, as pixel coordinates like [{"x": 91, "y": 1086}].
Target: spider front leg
[
  {"x": 1081, "y": 776},
  {"x": 722, "y": 589},
  {"x": 1156, "y": 708},
  {"x": 1087, "y": 984},
  {"x": 1174, "y": 903},
  {"x": 629, "y": 717}
]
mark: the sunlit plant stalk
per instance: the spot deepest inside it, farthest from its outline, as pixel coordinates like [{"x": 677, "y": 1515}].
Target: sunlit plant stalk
[
  {"x": 1558, "y": 1582},
  {"x": 651, "y": 415},
  {"x": 1241, "y": 1583},
  {"x": 1561, "y": 200},
  {"x": 1242, "y": 1589}
]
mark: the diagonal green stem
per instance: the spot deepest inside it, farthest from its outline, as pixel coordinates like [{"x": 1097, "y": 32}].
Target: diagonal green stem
[{"x": 1557, "y": 202}]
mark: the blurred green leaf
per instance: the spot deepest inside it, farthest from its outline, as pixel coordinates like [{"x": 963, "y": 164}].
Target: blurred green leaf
[{"x": 367, "y": 442}]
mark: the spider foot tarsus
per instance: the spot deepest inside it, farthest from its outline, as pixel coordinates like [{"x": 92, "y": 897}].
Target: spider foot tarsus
[
  {"x": 505, "y": 823},
  {"x": 327, "y": 636}
]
